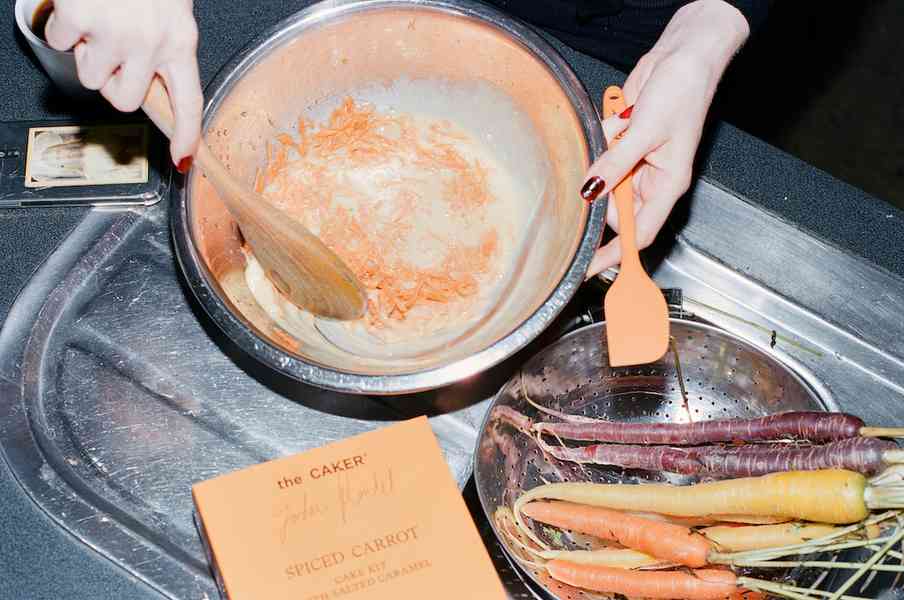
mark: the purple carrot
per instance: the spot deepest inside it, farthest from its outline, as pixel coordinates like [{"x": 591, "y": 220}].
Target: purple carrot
[
  {"x": 645, "y": 458},
  {"x": 507, "y": 414},
  {"x": 811, "y": 426},
  {"x": 864, "y": 455}
]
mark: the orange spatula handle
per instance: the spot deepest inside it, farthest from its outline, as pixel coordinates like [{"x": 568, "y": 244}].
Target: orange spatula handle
[{"x": 623, "y": 194}]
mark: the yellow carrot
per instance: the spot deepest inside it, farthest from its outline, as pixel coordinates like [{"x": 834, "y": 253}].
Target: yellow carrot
[
  {"x": 758, "y": 537},
  {"x": 829, "y": 496},
  {"x": 711, "y": 520},
  {"x": 614, "y": 558}
]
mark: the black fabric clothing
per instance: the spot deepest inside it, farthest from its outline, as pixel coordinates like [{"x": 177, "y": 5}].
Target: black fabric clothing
[{"x": 618, "y": 32}]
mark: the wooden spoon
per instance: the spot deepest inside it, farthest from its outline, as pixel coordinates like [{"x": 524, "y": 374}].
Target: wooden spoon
[
  {"x": 637, "y": 317},
  {"x": 301, "y": 267}
]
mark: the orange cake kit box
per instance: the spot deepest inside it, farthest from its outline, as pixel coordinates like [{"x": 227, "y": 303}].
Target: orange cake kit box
[{"x": 373, "y": 517}]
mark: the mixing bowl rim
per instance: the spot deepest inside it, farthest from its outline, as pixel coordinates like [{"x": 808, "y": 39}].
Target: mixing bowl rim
[{"x": 199, "y": 277}]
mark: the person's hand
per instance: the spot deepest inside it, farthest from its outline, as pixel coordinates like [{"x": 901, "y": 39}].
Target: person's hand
[
  {"x": 668, "y": 93},
  {"x": 121, "y": 45}
]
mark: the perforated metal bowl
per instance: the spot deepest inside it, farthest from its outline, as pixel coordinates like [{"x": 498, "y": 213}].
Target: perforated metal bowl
[{"x": 723, "y": 376}]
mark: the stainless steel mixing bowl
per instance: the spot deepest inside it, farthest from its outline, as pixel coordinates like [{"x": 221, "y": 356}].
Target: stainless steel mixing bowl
[{"x": 334, "y": 48}]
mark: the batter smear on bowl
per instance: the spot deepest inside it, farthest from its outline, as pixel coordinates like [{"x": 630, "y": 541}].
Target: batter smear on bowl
[{"x": 416, "y": 206}]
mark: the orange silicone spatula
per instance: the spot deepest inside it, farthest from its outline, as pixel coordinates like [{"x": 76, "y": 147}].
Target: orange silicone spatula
[{"x": 637, "y": 318}]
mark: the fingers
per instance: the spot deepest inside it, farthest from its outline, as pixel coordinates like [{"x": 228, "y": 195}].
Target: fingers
[
  {"x": 638, "y": 78},
  {"x": 119, "y": 47},
  {"x": 61, "y": 34},
  {"x": 95, "y": 64},
  {"x": 96, "y": 59},
  {"x": 614, "y": 126},
  {"x": 615, "y": 164},
  {"x": 127, "y": 88},
  {"x": 184, "y": 86},
  {"x": 650, "y": 219},
  {"x": 612, "y": 211}
]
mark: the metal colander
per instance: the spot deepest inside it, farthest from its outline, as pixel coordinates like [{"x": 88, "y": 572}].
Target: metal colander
[{"x": 721, "y": 376}]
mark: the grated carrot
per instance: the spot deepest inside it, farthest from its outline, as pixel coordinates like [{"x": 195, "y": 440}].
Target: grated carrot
[{"x": 314, "y": 187}]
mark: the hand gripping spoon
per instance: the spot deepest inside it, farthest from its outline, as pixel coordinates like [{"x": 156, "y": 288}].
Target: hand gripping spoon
[
  {"x": 298, "y": 264},
  {"x": 637, "y": 318}
]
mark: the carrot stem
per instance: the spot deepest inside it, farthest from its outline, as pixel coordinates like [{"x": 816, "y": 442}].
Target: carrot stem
[
  {"x": 815, "y": 564},
  {"x": 551, "y": 411},
  {"x": 889, "y": 477},
  {"x": 892, "y": 432},
  {"x": 891, "y": 553},
  {"x": 893, "y": 456},
  {"x": 889, "y": 495},
  {"x": 894, "y": 584},
  {"x": 772, "y": 553},
  {"x": 786, "y": 590},
  {"x": 868, "y": 565}
]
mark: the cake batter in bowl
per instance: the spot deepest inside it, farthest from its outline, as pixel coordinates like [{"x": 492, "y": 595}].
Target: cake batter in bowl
[{"x": 437, "y": 147}]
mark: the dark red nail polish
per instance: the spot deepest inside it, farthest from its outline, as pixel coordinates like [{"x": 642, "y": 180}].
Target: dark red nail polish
[
  {"x": 626, "y": 114},
  {"x": 184, "y": 165},
  {"x": 592, "y": 189}
]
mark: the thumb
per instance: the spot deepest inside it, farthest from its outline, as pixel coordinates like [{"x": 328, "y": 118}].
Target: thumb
[{"x": 605, "y": 258}]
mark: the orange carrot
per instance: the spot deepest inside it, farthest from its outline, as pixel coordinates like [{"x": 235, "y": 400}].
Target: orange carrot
[
  {"x": 666, "y": 541},
  {"x": 742, "y": 594},
  {"x": 704, "y": 584}
]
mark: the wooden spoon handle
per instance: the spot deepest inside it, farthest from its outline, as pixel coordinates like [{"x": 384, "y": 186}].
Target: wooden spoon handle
[
  {"x": 297, "y": 262},
  {"x": 623, "y": 193},
  {"x": 157, "y": 106}
]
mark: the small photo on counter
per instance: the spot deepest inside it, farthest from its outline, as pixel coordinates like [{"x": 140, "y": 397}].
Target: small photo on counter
[{"x": 82, "y": 156}]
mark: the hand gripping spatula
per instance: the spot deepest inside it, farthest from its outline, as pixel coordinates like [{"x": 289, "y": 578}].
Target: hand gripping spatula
[{"x": 637, "y": 318}]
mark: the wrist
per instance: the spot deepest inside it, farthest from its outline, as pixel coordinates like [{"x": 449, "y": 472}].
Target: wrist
[{"x": 713, "y": 31}]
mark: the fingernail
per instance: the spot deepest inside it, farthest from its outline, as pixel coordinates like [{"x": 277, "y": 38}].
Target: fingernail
[
  {"x": 626, "y": 114},
  {"x": 592, "y": 189},
  {"x": 184, "y": 165}
]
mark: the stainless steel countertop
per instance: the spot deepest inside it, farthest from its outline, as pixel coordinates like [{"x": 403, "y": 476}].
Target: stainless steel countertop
[{"x": 39, "y": 560}]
